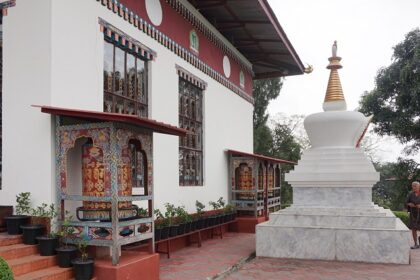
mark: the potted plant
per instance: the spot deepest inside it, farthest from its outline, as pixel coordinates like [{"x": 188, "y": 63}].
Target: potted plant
[
  {"x": 201, "y": 221},
  {"x": 170, "y": 215},
  {"x": 5, "y": 211},
  {"x": 40, "y": 217},
  {"x": 161, "y": 226},
  {"x": 223, "y": 216},
  {"x": 230, "y": 210},
  {"x": 83, "y": 266},
  {"x": 65, "y": 252},
  {"x": 213, "y": 218},
  {"x": 23, "y": 206},
  {"x": 184, "y": 220},
  {"x": 49, "y": 242}
]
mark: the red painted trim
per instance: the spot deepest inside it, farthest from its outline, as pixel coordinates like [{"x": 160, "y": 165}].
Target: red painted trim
[
  {"x": 260, "y": 157},
  {"x": 149, "y": 124},
  {"x": 359, "y": 142},
  {"x": 274, "y": 21},
  {"x": 178, "y": 29}
]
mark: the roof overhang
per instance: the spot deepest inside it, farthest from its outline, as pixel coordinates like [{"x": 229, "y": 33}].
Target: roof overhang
[
  {"x": 132, "y": 120},
  {"x": 259, "y": 157},
  {"x": 252, "y": 27}
]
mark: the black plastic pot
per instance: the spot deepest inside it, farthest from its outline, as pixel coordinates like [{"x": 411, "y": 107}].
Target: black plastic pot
[
  {"x": 157, "y": 233},
  {"x": 65, "y": 255},
  {"x": 31, "y": 232},
  {"x": 173, "y": 231},
  {"x": 164, "y": 233},
  {"x": 231, "y": 217},
  {"x": 194, "y": 225},
  {"x": 212, "y": 221},
  {"x": 206, "y": 222},
  {"x": 14, "y": 222},
  {"x": 83, "y": 269},
  {"x": 188, "y": 227},
  {"x": 181, "y": 228},
  {"x": 200, "y": 223},
  {"x": 47, "y": 245}
]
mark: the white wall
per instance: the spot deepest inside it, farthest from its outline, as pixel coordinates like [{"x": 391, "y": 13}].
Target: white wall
[
  {"x": 27, "y": 134},
  {"x": 75, "y": 56}
]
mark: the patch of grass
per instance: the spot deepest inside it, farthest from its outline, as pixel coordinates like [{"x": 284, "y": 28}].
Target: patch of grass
[{"x": 404, "y": 216}]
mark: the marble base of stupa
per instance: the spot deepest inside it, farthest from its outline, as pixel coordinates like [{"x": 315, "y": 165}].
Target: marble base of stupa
[
  {"x": 333, "y": 216},
  {"x": 334, "y": 219}
]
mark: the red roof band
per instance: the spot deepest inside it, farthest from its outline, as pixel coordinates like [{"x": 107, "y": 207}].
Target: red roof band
[
  {"x": 150, "y": 124},
  {"x": 260, "y": 157}
]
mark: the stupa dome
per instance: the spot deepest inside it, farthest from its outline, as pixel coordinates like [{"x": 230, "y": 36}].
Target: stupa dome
[{"x": 335, "y": 127}]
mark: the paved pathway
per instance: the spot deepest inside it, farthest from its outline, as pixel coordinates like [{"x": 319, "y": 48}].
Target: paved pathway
[
  {"x": 215, "y": 256},
  {"x": 285, "y": 269}
]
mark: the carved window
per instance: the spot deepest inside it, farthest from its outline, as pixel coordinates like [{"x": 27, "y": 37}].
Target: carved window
[
  {"x": 125, "y": 81},
  {"x": 191, "y": 145}
]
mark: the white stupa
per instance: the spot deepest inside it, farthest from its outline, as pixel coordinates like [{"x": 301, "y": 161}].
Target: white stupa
[{"x": 333, "y": 216}]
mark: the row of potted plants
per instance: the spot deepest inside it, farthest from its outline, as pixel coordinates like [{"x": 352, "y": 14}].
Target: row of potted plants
[
  {"x": 36, "y": 227},
  {"x": 177, "y": 221}
]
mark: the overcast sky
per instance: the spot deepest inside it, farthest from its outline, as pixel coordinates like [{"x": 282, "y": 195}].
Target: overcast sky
[{"x": 366, "y": 31}]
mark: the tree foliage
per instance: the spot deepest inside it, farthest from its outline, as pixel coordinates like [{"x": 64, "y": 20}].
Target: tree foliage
[
  {"x": 395, "y": 183},
  {"x": 395, "y": 100},
  {"x": 264, "y": 92},
  {"x": 285, "y": 146}
]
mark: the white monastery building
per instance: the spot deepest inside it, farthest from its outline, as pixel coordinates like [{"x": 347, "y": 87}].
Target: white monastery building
[{"x": 177, "y": 67}]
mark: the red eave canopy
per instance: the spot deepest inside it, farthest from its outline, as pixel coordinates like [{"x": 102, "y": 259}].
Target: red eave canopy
[
  {"x": 260, "y": 157},
  {"x": 149, "y": 124},
  {"x": 252, "y": 27}
]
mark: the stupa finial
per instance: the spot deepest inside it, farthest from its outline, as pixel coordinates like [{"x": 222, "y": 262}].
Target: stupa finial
[
  {"x": 334, "y": 97},
  {"x": 334, "y": 49}
]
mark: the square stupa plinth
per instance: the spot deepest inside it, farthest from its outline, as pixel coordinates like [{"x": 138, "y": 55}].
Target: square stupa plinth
[{"x": 332, "y": 216}]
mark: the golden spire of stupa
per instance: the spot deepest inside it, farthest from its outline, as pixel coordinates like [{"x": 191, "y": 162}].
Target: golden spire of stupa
[{"x": 334, "y": 90}]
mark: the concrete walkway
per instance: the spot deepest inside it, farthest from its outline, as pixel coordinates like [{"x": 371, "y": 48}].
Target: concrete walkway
[
  {"x": 214, "y": 257},
  {"x": 229, "y": 259},
  {"x": 267, "y": 268}
]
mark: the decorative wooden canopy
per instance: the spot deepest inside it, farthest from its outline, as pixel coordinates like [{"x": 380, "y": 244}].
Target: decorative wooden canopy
[
  {"x": 260, "y": 157},
  {"x": 149, "y": 124}
]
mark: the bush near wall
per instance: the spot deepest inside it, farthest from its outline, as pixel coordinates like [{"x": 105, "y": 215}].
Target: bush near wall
[
  {"x": 5, "y": 272},
  {"x": 404, "y": 216}
]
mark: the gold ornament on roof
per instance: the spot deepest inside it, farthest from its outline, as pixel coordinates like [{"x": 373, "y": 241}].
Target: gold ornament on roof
[
  {"x": 334, "y": 90},
  {"x": 308, "y": 69}
]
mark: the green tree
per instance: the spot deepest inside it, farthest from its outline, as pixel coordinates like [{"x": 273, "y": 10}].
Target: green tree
[
  {"x": 395, "y": 100},
  {"x": 264, "y": 92},
  {"x": 285, "y": 146},
  {"x": 395, "y": 183}
]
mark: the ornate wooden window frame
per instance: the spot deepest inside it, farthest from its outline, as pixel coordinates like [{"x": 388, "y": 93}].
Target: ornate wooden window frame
[
  {"x": 126, "y": 103},
  {"x": 191, "y": 147}
]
